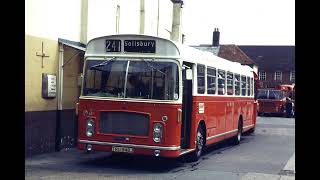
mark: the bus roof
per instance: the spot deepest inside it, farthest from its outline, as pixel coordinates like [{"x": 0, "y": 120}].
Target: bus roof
[
  {"x": 129, "y": 45},
  {"x": 194, "y": 55}
]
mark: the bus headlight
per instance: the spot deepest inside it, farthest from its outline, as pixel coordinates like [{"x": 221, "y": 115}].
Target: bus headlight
[
  {"x": 90, "y": 128},
  {"x": 157, "y": 132}
]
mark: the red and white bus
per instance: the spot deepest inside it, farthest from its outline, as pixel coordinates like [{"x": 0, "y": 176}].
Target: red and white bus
[
  {"x": 151, "y": 96},
  {"x": 273, "y": 100}
]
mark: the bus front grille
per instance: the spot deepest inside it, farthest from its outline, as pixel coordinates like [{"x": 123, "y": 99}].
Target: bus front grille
[{"x": 128, "y": 123}]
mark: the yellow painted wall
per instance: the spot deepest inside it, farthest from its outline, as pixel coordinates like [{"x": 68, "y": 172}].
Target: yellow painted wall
[{"x": 33, "y": 72}]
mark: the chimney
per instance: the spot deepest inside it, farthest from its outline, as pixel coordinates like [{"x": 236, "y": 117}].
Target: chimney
[{"x": 215, "y": 37}]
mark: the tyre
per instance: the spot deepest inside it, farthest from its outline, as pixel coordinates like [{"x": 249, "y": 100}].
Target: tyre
[
  {"x": 195, "y": 155},
  {"x": 237, "y": 138}
]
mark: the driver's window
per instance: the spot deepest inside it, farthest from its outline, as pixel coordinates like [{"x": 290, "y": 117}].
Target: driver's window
[{"x": 93, "y": 79}]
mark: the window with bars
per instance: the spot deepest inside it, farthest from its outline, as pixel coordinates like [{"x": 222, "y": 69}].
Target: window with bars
[
  {"x": 292, "y": 76},
  {"x": 262, "y": 75},
  {"x": 278, "y": 76}
]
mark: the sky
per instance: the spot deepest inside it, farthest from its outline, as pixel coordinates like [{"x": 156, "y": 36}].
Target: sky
[{"x": 240, "y": 22}]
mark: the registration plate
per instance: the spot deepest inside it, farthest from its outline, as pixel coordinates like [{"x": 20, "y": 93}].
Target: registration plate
[{"x": 122, "y": 149}]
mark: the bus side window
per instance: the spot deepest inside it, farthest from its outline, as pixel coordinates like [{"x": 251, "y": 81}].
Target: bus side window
[
  {"x": 248, "y": 86},
  {"x": 200, "y": 77},
  {"x": 251, "y": 86},
  {"x": 243, "y": 85},
  {"x": 211, "y": 80},
  {"x": 237, "y": 84},
  {"x": 230, "y": 83},
  {"x": 221, "y": 82}
]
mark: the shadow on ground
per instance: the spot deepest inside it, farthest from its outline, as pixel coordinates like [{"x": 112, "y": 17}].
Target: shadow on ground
[
  {"x": 102, "y": 162},
  {"x": 156, "y": 164}
]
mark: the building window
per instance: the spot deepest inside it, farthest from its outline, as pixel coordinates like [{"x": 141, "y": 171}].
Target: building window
[
  {"x": 262, "y": 76},
  {"x": 278, "y": 76},
  {"x": 292, "y": 76}
]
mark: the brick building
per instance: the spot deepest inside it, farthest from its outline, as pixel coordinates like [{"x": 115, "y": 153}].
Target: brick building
[{"x": 276, "y": 64}]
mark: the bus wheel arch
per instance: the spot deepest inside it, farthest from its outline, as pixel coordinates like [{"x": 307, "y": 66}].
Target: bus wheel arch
[
  {"x": 200, "y": 141},
  {"x": 204, "y": 127}
]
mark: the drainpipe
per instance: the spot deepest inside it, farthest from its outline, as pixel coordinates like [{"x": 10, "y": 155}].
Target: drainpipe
[
  {"x": 142, "y": 16},
  {"x": 60, "y": 77},
  {"x": 176, "y": 21},
  {"x": 59, "y": 97},
  {"x": 84, "y": 21}
]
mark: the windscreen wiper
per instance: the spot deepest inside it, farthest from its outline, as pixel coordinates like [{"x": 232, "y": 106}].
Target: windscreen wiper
[
  {"x": 153, "y": 67},
  {"x": 103, "y": 63}
]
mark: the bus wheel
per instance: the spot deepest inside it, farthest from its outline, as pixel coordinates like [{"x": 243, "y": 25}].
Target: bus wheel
[
  {"x": 237, "y": 139},
  {"x": 195, "y": 155}
]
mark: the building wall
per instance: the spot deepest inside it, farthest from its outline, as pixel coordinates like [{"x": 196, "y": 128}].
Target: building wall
[
  {"x": 271, "y": 83},
  {"x": 53, "y": 19},
  {"x": 45, "y": 21},
  {"x": 165, "y": 18},
  {"x": 40, "y": 114},
  {"x": 102, "y": 17},
  {"x": 34, "y": 70}
]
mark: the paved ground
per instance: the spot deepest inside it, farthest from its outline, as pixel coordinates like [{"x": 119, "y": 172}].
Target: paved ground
[{"x": 267, "y": 154}]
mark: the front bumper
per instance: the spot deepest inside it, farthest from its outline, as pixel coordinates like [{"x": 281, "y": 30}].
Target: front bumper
[{"x": 165, "y": 151}]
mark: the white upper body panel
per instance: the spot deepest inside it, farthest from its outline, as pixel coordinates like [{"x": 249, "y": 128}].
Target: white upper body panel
[{"x": 165, "y": 48}]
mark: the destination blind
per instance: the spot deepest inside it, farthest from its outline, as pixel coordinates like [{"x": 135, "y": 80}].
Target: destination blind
[
  {"x": 137, "y": 46},
  {"x": 140, "y": 46}
]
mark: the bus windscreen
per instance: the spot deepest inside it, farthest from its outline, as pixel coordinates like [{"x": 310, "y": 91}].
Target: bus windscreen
[
  {"x": 270, "y": 94},
  {"x": 136, "y": 78}
]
